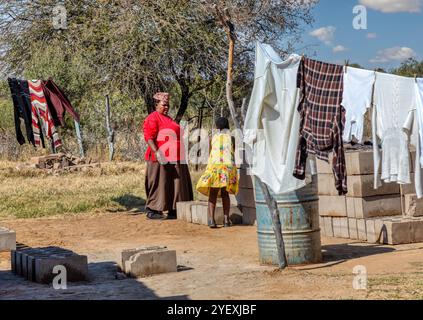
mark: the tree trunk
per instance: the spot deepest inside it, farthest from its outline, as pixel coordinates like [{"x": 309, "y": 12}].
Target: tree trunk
[
  {"x": 110, "y": 131},
  {"x": 183, "y": 106},
  {"x": 229, "y": 80}
]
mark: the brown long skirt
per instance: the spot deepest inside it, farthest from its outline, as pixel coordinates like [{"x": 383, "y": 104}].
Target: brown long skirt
[{"x": 167, "y": 184}]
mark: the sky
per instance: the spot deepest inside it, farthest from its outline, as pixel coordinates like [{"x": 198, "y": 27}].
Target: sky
[{"x": 394, "y": 32}]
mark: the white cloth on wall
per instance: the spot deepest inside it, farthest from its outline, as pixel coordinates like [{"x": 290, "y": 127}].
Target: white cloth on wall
[
  {"x": 271, "y": 127},
  {"x": 419, "y": 108},
  {"x": 394, "y": 103},
  {"x": 356, "y": 99}
]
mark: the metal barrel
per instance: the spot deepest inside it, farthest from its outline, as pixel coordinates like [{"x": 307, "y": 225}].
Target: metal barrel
[{"x": 299, "y": 215}]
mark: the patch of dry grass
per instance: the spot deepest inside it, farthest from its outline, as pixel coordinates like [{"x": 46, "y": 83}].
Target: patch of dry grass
[{"x": 27, "y": 193}]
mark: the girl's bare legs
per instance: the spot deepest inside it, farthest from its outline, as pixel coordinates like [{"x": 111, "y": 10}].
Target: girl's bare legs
[
  {"x": 226, "y": 202},
  {"x": 212, "y": 206}
]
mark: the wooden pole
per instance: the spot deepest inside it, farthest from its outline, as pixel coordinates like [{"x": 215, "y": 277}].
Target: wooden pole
[
  {"x": 270, "y": 201},
  {"x": 277, "y": 226},
  {"x": 110, "y": 132},
  {"x": 79, "y": 138}
]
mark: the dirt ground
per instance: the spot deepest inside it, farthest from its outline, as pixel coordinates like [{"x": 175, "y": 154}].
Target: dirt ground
[{"x": 213, "y": 264}]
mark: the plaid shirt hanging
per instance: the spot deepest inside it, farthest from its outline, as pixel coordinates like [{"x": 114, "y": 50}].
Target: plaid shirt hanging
[{"x": 322, "y": 118}]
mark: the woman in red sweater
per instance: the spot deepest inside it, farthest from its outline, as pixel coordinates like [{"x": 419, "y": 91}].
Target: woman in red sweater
[{"x": 167, "y": 179}]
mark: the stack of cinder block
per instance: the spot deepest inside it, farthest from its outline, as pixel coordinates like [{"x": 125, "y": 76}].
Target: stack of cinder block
[
  {"x": 197, "y": 211},
  {"x": 146, "y": 261},
  {"x": 365, "y": 213},
  {"x": 37, "y": 264},
  {"x": 7, "y": 239}
]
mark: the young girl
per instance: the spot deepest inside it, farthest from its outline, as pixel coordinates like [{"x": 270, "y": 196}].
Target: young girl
[{"x": 221, "y": 175}]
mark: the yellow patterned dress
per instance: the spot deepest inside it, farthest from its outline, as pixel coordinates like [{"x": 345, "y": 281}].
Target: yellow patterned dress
[{"x": 221, "y": 170}]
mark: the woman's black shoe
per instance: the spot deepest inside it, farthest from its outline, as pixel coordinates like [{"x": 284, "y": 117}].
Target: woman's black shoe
[
  {"x": 154, "y": 215},
  {"x": 171, "y": 215}
]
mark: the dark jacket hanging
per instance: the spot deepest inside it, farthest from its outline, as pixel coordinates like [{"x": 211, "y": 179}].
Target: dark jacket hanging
[
  {"x": 22, "y": 109},
  {"x": 58, "y": 103}
]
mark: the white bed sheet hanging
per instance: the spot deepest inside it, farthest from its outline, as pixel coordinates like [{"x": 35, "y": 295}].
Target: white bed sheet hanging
[{"x": 272, "y": 122}]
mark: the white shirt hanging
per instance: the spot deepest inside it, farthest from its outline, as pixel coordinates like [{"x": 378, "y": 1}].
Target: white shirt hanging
[
  {"x": 356, "y": 99},
  {"x": 418, "y": 86},
  {"x": 394, "y": 101},
  {"x": 272, "y": 122}
]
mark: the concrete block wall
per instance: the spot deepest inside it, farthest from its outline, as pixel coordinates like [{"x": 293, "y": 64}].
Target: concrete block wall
[{"x": 367, "y": 214}]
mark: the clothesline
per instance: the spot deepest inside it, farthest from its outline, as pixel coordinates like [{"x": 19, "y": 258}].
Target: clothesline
[{"x": 308, "y": 107}]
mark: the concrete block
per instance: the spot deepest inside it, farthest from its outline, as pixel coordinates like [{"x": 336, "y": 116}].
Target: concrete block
[
  {"x": 183, "y": 211},
  {"x": 352, "y": 228},
  {"x": 358, "y": 186},
  {"x": 396, "y": 231},
  {"x": 340, "y": 228},
  {"x": 371, "y": 230},
  {"x": 417, "y": 230},
  {"x": 323, "y": 167},
  {"x": 7, "y": 240},
  {"x": 376, "y": 206},
  {"x": 199, "y": 213},
  {"x": 13, "y": 260},
  {"x": 76, "y": 267},
  {"x": 200, "y": 216},
  {"x": 350, "y": 204},
  {"x": 413, "y": 207},
  {"x": 409, "y": 188},
  {"x": 332, "y": 206},
  {"x": 357, "y": 162},
  {"x": 18, "y": 262},
  {"x": 124, "y": 255},
  {"x": 322, "y": 226},
  {"x": 149, "y": 262},
  {"x": 328, "y": 226},
  {"x": 361, "y": 229}
]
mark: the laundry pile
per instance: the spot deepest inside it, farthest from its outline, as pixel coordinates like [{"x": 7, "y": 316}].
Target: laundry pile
[
  {"x": 302, "y": 109},
  {"x": 41, "y": 105}
]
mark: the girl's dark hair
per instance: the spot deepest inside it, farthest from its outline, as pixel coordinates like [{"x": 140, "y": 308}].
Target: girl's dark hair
[{"x": 222, "y": 123}]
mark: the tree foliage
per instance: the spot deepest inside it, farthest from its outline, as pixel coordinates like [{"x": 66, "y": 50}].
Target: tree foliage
[{"x": 133, "y": 48}]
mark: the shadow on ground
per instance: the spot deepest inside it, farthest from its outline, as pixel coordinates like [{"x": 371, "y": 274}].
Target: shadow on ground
[
  {"x": 103, "y": 284},
  {"x": 346, "y": 251},
  {"x": 131, "y": 202}
]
